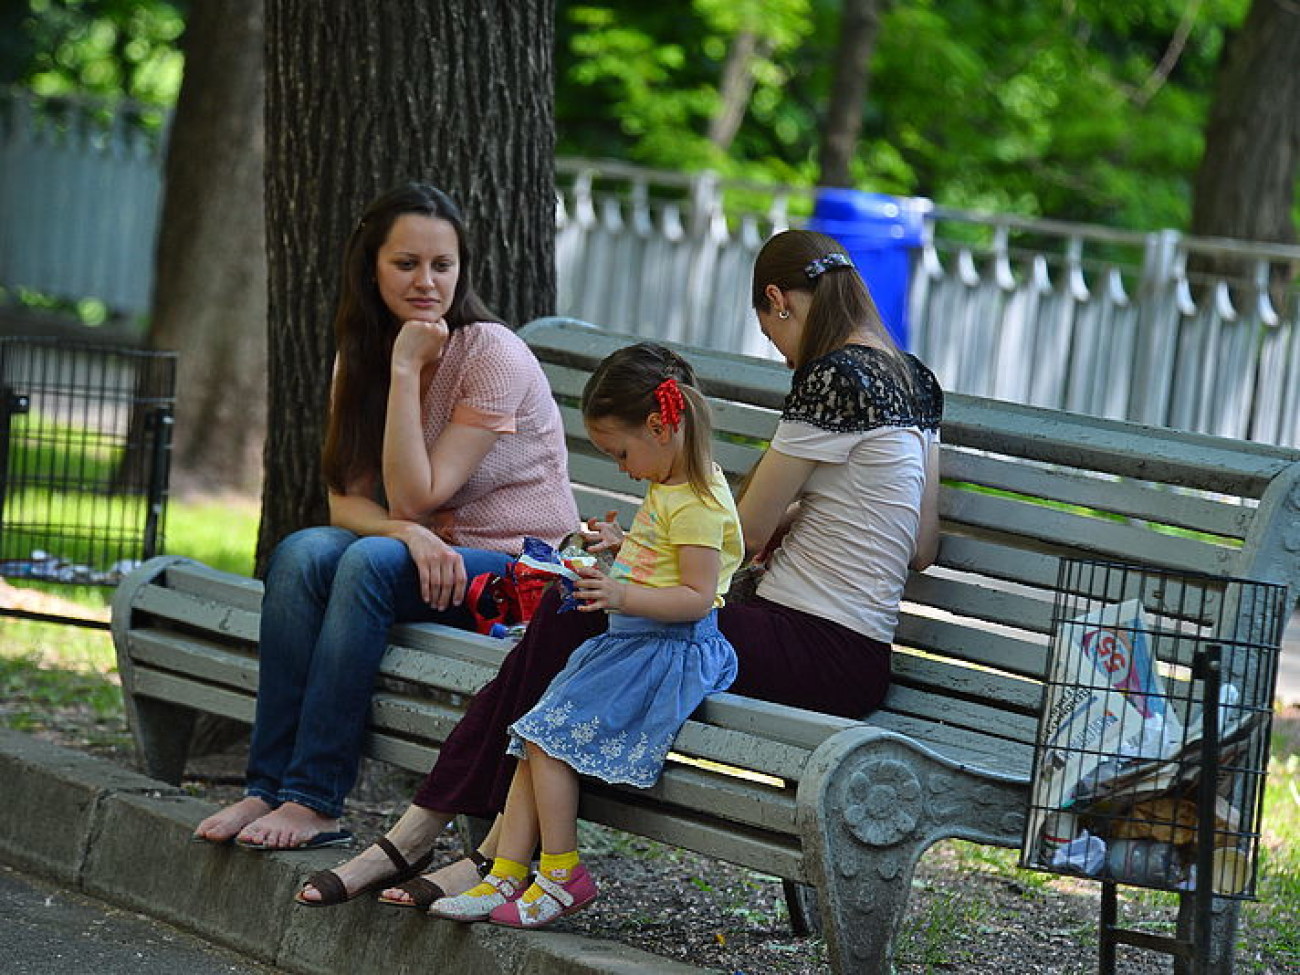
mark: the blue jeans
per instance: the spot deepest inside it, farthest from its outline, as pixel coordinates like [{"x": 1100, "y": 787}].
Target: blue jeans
[{"x": 331, "y": 596}]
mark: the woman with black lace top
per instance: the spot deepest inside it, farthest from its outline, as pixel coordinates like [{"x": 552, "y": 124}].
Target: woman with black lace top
[{"x": 839, "y": 507}]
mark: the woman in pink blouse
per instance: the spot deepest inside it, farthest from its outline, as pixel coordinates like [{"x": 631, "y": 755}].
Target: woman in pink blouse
[{"x": 444, "y": 449}]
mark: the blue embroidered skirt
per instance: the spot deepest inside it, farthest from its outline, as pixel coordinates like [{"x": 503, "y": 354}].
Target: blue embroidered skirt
[{"x": 616, "y": 707}]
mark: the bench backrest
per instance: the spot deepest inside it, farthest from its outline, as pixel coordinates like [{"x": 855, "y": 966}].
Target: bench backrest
[{"x": 1022, "y": 488}]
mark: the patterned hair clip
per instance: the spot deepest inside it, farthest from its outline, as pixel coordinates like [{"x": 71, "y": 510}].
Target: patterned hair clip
[
  {"x": 815, "y": 269},
  {"x": 671, "y": 402}
]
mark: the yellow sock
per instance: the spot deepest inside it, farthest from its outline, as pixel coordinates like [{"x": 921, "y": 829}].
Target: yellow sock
[
  {"x": 556, "y": 866},
  {"x": 511, "y": 869},
  {"x": 501, "y": 867}
]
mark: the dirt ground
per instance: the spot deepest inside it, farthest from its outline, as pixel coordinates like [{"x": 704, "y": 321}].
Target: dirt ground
[{"x": 971, "y": 911}]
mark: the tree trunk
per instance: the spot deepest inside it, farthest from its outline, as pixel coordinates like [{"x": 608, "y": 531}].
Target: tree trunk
[
  {"x": 859, "y": 23},
  {"x": 359, "y": 98},
  {"x": 209, "y": 301},
  {"x": 735, "y": 89},
  {"x": 1245, "y": 186}
]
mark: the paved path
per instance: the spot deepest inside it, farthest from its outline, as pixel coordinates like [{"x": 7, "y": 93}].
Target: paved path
[{"x": 48, "y": 930}]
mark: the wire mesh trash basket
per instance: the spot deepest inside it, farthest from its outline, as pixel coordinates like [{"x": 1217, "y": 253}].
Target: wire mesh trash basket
[
  {"x": 85, "y": 442},
  {"x": 1153, "y": 739}
]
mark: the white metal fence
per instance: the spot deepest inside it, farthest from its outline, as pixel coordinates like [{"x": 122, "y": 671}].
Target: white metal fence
[
  {"x": 1072, "y": 316},
  {"x": 80, "y": 194}
]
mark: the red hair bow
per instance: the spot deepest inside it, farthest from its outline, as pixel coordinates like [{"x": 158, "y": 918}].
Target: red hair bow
[{"x": 671, "y": 401}]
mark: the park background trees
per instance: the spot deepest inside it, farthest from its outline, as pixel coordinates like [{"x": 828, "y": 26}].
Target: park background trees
[{"x": 1173, "y": 113}]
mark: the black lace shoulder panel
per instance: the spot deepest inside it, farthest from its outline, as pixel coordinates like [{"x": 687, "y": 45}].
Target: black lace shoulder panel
[{"x": 858, "y": 388}]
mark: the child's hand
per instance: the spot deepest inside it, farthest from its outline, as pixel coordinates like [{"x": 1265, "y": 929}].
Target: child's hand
[
  {"x": 597, "y": 591},
  {"x": 601, "y": 535}
]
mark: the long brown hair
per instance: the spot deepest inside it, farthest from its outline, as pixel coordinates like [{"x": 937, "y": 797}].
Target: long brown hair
[
  {"x": 623, "y": 389},
  {"x": 364, "y": 331},
  {"x": 841, "y": 303}
]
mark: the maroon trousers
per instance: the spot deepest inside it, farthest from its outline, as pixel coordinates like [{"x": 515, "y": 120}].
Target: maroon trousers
[{"x": 785, "y": 656}]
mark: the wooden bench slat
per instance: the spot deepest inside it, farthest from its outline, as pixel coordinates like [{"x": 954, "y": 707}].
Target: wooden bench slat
[
  {"x": 202, "y": 697},
  {"x": 599, "y": 473},
  {"x": 955, "y": 713},
  {"x": 999, "y": 560},
  {"x": 972, "y": 748},
  {"x": 1155, "y": 503},
  {"x": 402, "y": 717},
  {"x": 962, "y": 641},
  {"x": 736, "y": 748},
  {"x": 957, "y": 680},
  {"x": 595, "y": 504},
  {"x": 439, "y": 638},
  {"x": 1113, "y": 446},
  {"x": 198, "y": 612},
  {"x": 966, "y": 598},
  {"x": 409, "y": 755},
  {"x": 727, "y": 841},
  {"x": 435, "y": 670},
  {"x": 171, "y": 651},
  {"x": 687, "y": 790},
  {"x": 720, "y": 374},
  {"x": 795, "y": 726},
  {"x": 220, "y": 587},
  {"x": 1107, "y": 539}
]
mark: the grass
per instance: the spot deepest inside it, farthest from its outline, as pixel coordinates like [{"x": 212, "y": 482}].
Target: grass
[{"x": 48, "y": 670}]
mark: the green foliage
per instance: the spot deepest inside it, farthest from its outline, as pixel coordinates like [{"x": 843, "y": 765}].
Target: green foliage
[
  {"x": 1074, "y": 111},
  {"x": 1089, "y": 110},
  {"x": 642, "y": 82},
  {"x": 106, "y": 48}
]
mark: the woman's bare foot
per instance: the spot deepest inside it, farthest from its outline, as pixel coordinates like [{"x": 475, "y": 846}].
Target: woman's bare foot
[
  {"x": 455, "y": 878},
  {"x": 287, "y": 827},
  {"x": 223, "y": 826}
]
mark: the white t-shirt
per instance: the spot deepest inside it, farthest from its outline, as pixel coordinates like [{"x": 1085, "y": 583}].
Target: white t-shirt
[{"x": 846, "y": 555}]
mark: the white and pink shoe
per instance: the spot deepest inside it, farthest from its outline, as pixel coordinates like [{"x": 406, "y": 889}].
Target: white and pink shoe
[
  {"x": 476, "y": 904},
  {"x": 557, "y": 901}
]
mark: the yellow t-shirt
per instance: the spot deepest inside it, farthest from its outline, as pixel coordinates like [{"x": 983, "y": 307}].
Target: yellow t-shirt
[{"x": 673, "y": 515}]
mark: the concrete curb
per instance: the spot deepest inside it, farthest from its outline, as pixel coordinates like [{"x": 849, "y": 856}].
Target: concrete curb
[{"x": 124, "y": 838}]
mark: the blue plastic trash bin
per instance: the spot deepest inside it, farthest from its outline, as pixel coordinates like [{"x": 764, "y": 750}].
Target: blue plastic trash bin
[{"x": 878, "y": 231}]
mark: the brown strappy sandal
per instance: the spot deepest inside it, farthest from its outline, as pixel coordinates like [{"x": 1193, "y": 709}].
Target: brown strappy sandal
[
  {"x": 423, "y": 891},
  {"x": 333, "y": 891}
]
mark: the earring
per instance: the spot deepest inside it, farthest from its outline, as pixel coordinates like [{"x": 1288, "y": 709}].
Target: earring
[{"x": 783, "y": 314}]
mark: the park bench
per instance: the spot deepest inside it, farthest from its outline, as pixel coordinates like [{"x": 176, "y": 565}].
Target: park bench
[{"x": 845, "y": 807}]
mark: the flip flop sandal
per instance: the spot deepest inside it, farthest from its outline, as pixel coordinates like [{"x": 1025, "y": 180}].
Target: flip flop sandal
[
  {"x": 333, "y": 891},
  {"x": 321, "y": 841},
  {"x": 422, "y": 892}
]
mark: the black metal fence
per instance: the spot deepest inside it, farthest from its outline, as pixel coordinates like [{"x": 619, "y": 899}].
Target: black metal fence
[{"x": 85, "y": 441}]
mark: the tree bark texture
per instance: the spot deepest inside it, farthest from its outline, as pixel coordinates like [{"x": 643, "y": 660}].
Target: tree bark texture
[
  {"x": 1245, "y": 185},
  {"x": 361, "y": 97},
  {"x": 859, "y": 24},
  {"x": 209, "y": 302}
]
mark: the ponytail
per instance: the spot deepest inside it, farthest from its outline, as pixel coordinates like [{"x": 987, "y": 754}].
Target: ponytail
[{"x": 631, "y": 384}]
